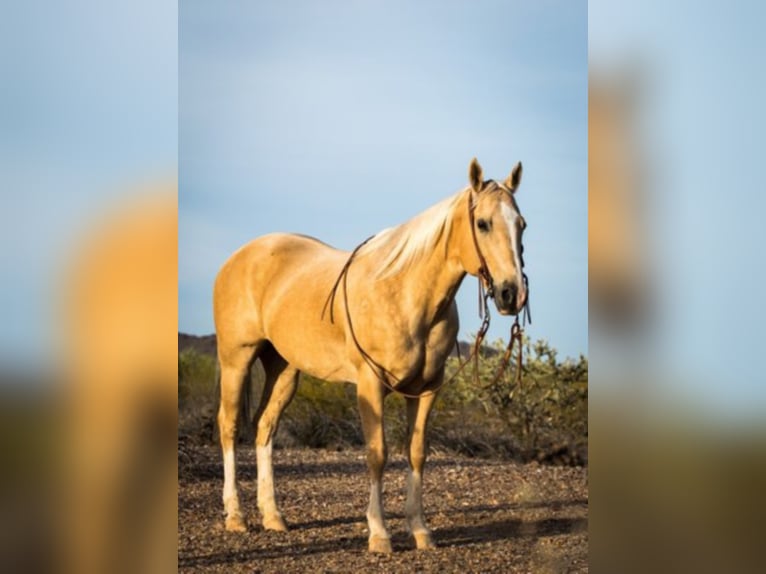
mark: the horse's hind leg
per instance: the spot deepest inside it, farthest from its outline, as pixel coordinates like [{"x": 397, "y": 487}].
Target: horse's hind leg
[
  {"x": 417, "y": 419},
  {"x": 235, "y": 367},
  {"x": 278, "y": 390}
]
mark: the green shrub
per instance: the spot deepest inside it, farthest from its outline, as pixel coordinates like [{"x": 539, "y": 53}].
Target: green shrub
[{"x": 196, "y": 375}]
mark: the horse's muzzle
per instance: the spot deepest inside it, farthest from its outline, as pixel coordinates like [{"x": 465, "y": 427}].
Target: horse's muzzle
[{"x": 509, "y": 298}]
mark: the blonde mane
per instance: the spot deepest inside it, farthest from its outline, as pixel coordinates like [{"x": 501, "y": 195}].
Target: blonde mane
[{"x": 399, "y": 247}]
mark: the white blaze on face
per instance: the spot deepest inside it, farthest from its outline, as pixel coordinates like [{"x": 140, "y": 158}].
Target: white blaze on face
[{"x": 511, "y": 219}]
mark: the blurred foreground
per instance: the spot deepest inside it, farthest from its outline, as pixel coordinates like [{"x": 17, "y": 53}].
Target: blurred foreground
[
  {"x": 671, "y": 494},
  {"x": 676, "y": 472},
  {"x": 89, "y": 483},
  {"x": 88, "y": 283},
  {"x": 677, "y": 404}
]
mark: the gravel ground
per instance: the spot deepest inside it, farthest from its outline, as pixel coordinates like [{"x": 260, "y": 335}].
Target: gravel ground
[{"x": 486, "y": 516}]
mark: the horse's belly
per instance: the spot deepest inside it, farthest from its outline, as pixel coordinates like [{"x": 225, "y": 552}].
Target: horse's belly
[{"x": 312, "y": 346}]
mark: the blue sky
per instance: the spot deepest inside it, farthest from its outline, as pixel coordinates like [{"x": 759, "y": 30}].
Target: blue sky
[{"x": 338, "y": 119}]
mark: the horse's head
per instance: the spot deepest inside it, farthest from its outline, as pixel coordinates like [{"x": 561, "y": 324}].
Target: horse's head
[{"x": 495, "y": 241}]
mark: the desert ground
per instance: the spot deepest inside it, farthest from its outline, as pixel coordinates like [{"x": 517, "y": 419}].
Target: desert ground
[{"x": 486, "y": 515}]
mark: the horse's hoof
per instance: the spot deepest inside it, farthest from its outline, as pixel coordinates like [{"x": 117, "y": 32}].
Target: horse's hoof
[
  {"x": 275, "y": 523},
  {"x": 235, "y": 523},
  {"x": 382, "y": 545},
  {"x": 423, "y": 541}
]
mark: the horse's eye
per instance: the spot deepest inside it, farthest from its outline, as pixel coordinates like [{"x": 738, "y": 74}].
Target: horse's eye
[{"x": 483, "y": 225}]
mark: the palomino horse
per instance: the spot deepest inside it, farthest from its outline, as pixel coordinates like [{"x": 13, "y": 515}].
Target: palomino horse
[{"x": 391, "y": 327}]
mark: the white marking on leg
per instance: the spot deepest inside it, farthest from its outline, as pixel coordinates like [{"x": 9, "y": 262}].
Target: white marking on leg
[
  {"x": 375, "y": 511},
  {"x": 266, "y": 502},
  {"x": 414, "y": 505},
  {"x": 230, "y": 496}
]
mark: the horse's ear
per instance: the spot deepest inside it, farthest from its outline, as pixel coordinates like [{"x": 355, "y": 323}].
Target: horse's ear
[
  {"x": 513, "y": 180},
  {"x": 475, "y": 175}
]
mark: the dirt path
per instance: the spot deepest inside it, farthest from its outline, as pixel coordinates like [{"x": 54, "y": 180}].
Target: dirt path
[{"x": 486, "y": 516}]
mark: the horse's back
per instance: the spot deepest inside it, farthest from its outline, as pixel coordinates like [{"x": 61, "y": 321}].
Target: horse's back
[
  {"x": 267, "y": 257},
  {"x": 261, "y": 273}
]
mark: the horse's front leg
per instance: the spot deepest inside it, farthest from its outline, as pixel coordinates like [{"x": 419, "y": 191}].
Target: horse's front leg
[
  {"x": 370, "y": 395},
  {"x": 417, "y": 420}
]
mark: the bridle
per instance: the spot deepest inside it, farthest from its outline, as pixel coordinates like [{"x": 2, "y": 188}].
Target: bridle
[
  {"x": 517, "y": 333},
  {"x": 485, "y": 277}
]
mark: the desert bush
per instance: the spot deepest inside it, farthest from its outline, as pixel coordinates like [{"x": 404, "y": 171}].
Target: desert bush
[
  {"x": 196, "y": 376},
  {"x": 196, "y": 398},
  {"x": 545, "y": 417},
  {"x": 321, "y": 415}
]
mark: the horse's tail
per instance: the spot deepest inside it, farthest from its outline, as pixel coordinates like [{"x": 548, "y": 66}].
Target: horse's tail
[{"x": 244, "y": 424}]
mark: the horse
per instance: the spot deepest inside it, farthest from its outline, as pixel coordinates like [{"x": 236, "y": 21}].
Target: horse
[{"x": 390, "y": 329}]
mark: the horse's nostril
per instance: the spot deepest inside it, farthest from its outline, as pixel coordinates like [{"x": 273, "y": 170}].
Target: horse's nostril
[{"x": 508, "y": 294}]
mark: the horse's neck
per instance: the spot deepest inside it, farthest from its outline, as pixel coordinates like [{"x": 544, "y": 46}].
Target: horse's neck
[{"x": 431, "y": 281}]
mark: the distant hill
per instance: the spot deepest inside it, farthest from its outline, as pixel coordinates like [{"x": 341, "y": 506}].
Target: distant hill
[{"x": 206, "y": 345}]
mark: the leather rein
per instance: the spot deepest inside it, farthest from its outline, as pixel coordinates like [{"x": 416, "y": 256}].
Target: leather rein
[{"x": 485, "y": 277}]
